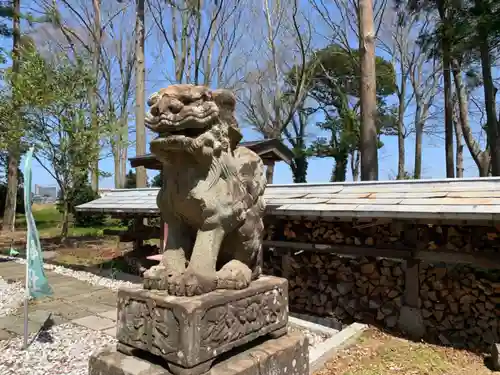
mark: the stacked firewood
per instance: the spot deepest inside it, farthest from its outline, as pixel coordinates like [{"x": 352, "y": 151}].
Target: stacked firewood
[
  {"x": 386, "y": 235},
  {"x": 460, "y": 304},
  {"x": 347, "y": 289},
  {"x": 457, "y": 304}
]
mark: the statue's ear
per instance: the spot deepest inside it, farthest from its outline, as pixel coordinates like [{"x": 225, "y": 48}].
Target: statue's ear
[
  {"x": 235, "y": 137},
  {"x": 224, "y": 99}
]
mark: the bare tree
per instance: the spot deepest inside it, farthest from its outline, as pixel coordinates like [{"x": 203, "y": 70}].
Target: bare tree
[
  {"x": 424, "y": 80},
  {"x": 111, "y": 48},
  {"x": 482, "y": 158},
  {"x": 397, "y": 40},
  {"x": 118, "y": 62},
  {"x": 203, "y": 39},
  {"x": 96, "y": 57},
  {"x": 417, "y": 83},
  {"x": 270, "y": 101}
]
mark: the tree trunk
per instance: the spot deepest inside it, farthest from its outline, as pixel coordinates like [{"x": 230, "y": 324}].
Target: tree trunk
[
  {"x": 448, "y": 117},
  {"x": 419, "y": 133},
  {"x": 481, "y": 158},
  {"x": 401, "y": 135},
  {"x": 270, "y": 172},
  {"x": 140, "y": 76},
  {"x": 116, "y": 161},
  {"x": 460, "y": 145},
  {"x": 490, "y": 105},
  {"x": 340, "y": 168},
  {"x": 65, "y": 219},
  {"x": 299, "y": 169},
  {"x": 9, "y": 217},
  {"x": 368, "y": 97},
  {"x": 94, "y": 173},
  {"x": 448, "y": 105},
  {"x": 355, "y": 165}
]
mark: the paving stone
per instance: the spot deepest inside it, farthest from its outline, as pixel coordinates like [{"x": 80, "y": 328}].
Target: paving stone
[
  {"x": 110, "y": 314},
  {"x": 67, "y": 291},
  {"x": 110, "y": 332},
  {"x": 95, "y": 322},
  {"x": 8, "y": 321},
  {"x": 68, "y": 311},
  {"x": 41, "y": 317},
  {"x": 17, "y": 326},
  {"x": 102, "y": 296},
  {"x": 6, "y": 335}
]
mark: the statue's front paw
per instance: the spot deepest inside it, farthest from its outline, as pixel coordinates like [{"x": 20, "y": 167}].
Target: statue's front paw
[
  {"x": 160, "y": 277},
  {"x": 234, "y": 275},
  {"x": 192, "y": 283}
]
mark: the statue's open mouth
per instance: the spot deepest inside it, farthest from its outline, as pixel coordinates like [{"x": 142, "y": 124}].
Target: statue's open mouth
[{"x": 186, "y": 132}]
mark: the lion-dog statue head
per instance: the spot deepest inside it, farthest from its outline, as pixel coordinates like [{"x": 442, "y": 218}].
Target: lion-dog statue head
[{"x": 192, "y": 119}]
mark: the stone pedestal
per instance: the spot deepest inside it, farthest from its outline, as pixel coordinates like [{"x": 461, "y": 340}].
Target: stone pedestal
[
  {"x": 188, "y": 334},
  {"x": 286, "y": 355}
]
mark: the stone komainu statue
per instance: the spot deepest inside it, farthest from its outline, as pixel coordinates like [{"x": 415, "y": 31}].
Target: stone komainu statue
[{"x": 212, "y": 194}]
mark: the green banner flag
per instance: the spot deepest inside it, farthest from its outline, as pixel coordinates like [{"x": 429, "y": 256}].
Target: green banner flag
[{"x": 37, "y": 283}]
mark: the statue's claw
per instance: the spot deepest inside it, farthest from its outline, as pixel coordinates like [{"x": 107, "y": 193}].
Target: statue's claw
[
  {"x": 191, "y": 284},
  {"x": 234, "y": 275},
  {"x": 160, "y": 277}
]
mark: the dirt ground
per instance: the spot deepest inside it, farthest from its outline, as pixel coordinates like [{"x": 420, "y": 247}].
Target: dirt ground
[{"x": 377, "y": 353}]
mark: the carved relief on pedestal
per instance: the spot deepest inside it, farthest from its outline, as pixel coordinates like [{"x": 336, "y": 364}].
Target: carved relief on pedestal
[
  {"x": 232, "y": 321},
  {"x": 147, "y": 327}
]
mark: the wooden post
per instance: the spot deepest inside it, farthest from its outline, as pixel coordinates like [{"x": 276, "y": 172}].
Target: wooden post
[
  {"x": 410, "y": 318},
  {"x": 138, "y": 227},
  {"x": 286, "y": 264},
  {"x": 412, "y": 283},
  {"x": 412, "y": 269}
]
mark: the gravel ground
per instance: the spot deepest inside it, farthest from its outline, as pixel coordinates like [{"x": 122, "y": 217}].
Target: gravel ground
[
  {"x": 88, "y": 277},
  {"x": 11, "y": 297},
  {"x": 63, "y": 350}
]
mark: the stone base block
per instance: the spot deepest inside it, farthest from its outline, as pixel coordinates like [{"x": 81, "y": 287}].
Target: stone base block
[
  {"x": 411, "y": 322},
  {"x": 189, "y": 331},
  {"x": 287, "y": 355}
]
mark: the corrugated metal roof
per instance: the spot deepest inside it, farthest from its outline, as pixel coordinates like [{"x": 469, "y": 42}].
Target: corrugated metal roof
[{"x": 461, "y": 199}]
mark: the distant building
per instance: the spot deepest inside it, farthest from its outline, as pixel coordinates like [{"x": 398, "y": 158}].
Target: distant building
[{"x": 45, "y": 194}]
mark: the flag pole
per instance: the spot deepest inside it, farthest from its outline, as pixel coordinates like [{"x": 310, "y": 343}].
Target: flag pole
[{"x": 26, "y": 298}]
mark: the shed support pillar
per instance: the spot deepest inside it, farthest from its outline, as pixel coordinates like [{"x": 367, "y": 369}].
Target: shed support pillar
[{"x": 410, "y": 318}]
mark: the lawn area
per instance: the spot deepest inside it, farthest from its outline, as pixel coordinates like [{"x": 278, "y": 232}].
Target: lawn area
[
  {"x": 48, "y": 222},
  {"x": 377, "y": 353},
  {"x": 84, "y": 247}
]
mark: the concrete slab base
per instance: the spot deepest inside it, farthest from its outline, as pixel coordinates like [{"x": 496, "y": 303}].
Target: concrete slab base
[
  {"x": 287, "y": 355},
  {"x": 320, "y": 354}
]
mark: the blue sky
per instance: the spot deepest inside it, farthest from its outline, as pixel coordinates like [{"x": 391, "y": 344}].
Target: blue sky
[{"x": 319, "y": 169}]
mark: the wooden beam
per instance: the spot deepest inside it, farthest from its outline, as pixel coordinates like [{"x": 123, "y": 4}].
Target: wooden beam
[
  {"x": 341, "y": 249},
  {"x": 479, "y": 258}
]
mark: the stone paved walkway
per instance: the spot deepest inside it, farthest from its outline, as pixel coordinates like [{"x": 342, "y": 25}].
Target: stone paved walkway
[{"x": 73, "y": 301}]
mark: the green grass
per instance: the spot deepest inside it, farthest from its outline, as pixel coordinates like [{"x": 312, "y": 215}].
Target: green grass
[{"x": 49, "y": 222}]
